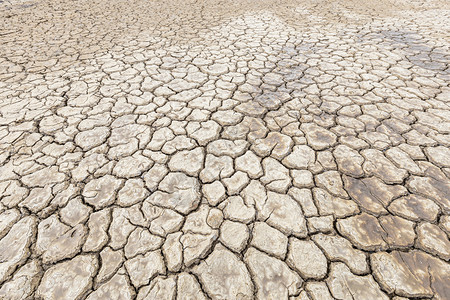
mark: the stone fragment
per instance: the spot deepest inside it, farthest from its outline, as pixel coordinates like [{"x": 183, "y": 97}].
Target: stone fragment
[
  {"x": 143, "y": 268},
  {"x": 162, "y": 221},
  {"x": 215, "y": 218},
  {"x": 326, "y": 160},
  {"x": 23, "y": 283},
  {"x": 199, "y": 236},
  {"x": 377, "y": 164},
  {"x": 227, "y": 117},
  {"x": 431, "y": 239},
  {"x": 188, "y": 288},
  {"x": 203, "y": 132},
  {"x": 403, "y": 161},
  {"x": 173, "y": 252},
  {"x": 216, "y": 168},
  {"x": 83, "y": 101},
  {"x": 305, "y": 199},
  {"x": 101, "y": 192},
  {"x": 415, "y": 152},
  {"x": 350, "y": 140},
  {"x": 345, "y": 285},
  {"x": 132, "y": 192},
  {"x": 43, "y": 177},
  {"x": 177, "y": 191},
  {"x": 196, "y": 222},
  {"x": 349, "y": 161},
  {"x": 272, "y": 277},
  {"x": 185, "y": 96},
  {"x": 177, "y": 85},
  {"x": 111, "y": 262},
  {"x": 276, "y": 176},
  {"x": 89, "y": 139},
  {"x": 364, "y": 194},
  {"x": 38, "y": 199},
  {"x": 235, "y": 209},
  {"x": 98, "y": 225},
  {"x": 196, "y": 246},
  {"x": 117, "y": 288},
  {"x": 411, "y": 274},
  {"x": 230, "y": 148},
  {"x": 105, "y": 169},
  {"x": 236, "y": 183},
  {"x": 415, "y": 208},
  {"x": 75, "y": 212},
  {"x": 318, "y": 138},
  {"x": 136, "y": 215},
  {"x": 302, "y": 178},
  {"x": 272, "y": 100},
  {"x": 234, "y": 235},
  {"x": 224, "y": 276},
  {"x": 301, "y": 157},
  {"x": 378, "y": 140},
  {"x": 215, "y": 69},
  {"x": 56, "y": 241},
  {"x": 120, "y": 228},
  {"x": 11, "y": 192},
  {"x": 434, "y": 186},
  {"x": 250, "y": 164},
  {"x": 332, "y": 182},
  {"x": 255, "y": 195},
  {"x": 214, "y": 192},
  {"x": 320, "y": 224},
  {"x": 307, "y": 259},
  {"x": 269, "y": 240},
  {"x": 154, "y": 176},
  {"x": 283, "y": 213},
  {"x": 252, "y": 109},
  {"x": 126, "y": 140},
  {"x": 439, "y": 155},
  {"x": 187, "y": 161},
  {"x": 62, "y": 197},
  {"x": 179, "y": 143},
  {"x": 69, "y": 279},
  {"x": 159, "y": 288},
  {"x": 400, "y": 232},
  {"x": 337, "y": 248},
  {"x": 318, "y": 290},
  {"x": 364, "y": 231},
  {"x": 88, "y": 165},
  {"x": 370, "y": 234},
  {"x": 275, "y": 144},
  {"x": 330, "y": 205},
  {"x": 7, "y": 173},
  {"x": 7, "y": 219},
  {"x": 256, "y": 128},
  {"x": 302, "y": 296},
  {"x": 132, "y": 166},
  {"x": 159, "y": 138},
  {"x": 141, "y": 241},
  {"x": 444, "y": 223}
]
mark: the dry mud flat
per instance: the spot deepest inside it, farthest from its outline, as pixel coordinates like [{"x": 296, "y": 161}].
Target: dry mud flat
[{"x": 224, "y": 150}]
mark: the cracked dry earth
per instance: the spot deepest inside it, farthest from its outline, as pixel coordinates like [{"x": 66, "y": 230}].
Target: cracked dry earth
[{"x": 224, "y": 150}]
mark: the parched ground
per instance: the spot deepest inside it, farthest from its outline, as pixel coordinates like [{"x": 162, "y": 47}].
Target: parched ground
[{"x": 224, "y": 149}]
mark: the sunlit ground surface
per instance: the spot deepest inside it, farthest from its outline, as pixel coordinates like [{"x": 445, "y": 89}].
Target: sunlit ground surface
[{"x": 224, "y": 149}]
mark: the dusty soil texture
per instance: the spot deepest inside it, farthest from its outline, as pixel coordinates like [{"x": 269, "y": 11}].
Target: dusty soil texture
[{"x": 224, "y": 149}]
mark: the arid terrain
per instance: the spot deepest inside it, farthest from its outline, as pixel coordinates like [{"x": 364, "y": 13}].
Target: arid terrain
[{"x": 224, "y": 149}]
